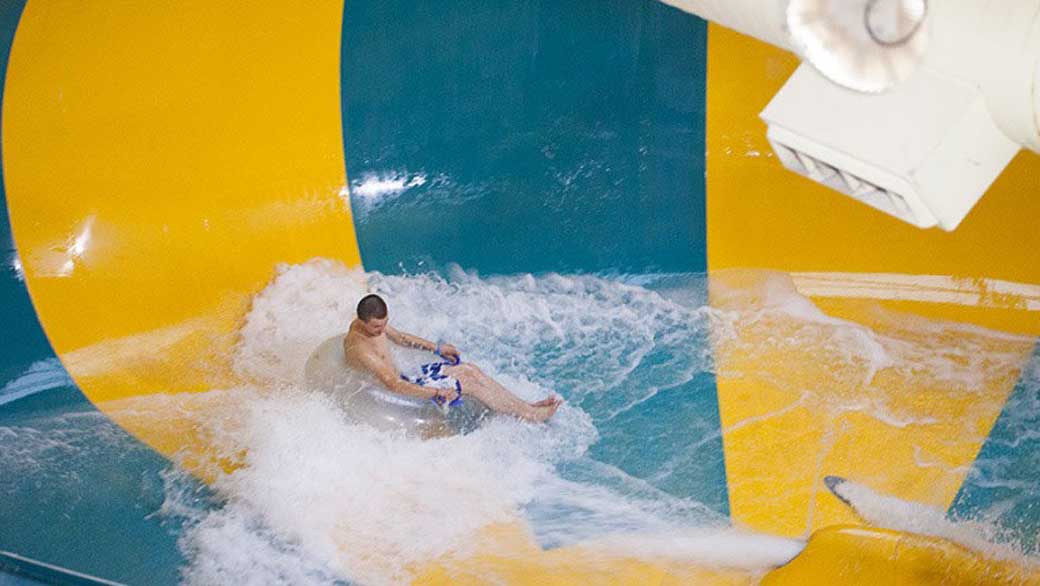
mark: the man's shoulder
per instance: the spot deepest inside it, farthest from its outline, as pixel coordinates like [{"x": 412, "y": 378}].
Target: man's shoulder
[
  {"x": 352, "y": 339},
  {"x": 357, "y": 344},
  {"x": 356, "y": 351}
]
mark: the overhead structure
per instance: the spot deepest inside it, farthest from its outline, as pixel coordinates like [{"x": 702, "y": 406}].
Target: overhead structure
[{"x": 913, "y": 107}]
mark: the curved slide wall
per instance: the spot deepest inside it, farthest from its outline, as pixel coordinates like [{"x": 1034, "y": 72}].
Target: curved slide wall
[{"x": 161, "y": 161}]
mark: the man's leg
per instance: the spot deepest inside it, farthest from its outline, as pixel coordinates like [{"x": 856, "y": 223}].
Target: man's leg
[{"x": 495, "y": 396}]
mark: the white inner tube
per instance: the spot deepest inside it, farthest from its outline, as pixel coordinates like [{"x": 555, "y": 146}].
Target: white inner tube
[{"x": 367, "y": 401}]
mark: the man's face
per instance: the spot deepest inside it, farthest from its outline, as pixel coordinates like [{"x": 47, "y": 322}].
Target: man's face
[{"x": 375, "y": 327}]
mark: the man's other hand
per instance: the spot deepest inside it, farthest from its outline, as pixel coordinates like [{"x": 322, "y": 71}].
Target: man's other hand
[{"x": 450, "y": 352}]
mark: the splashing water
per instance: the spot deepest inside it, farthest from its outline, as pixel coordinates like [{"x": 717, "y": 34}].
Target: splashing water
[
  {"x": 627, "y": 464},
  {"x": 316, "y": 496}
]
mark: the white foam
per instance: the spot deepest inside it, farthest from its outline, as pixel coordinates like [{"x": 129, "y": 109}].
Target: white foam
[
  {"x": 765, "y": 319},
  {"x": 894, "y": 513},
  {"x": 41, "y": 375},
  {"x": 304, "y": 305},
  {"x": 315, "y": 491},
  {"x": 375, "y": 187},
  {"x": 369, "y": 503},
  {"x": 16, "y": 266},
  {"x": 726, "y": 548}
]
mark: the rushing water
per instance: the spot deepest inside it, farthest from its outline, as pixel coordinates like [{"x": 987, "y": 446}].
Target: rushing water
[{"x": 633, "y": 459}]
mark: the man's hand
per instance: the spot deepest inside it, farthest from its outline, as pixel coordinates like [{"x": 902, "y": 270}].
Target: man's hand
[
  {"x": 443, "y": 396},
  {"x": 450, "y": 352}
]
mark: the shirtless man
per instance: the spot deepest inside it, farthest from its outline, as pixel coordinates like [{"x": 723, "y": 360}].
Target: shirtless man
[{"x": 445, "y": 381}]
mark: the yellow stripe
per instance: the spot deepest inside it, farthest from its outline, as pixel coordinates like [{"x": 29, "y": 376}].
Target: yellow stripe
[
  {"x": 860, "y": 556},
  {"x": 779, "y": 442},
  {"x": 159, "y": 159}
]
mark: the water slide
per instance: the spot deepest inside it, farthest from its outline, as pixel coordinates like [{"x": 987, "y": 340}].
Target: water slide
[{"x": 766, "y": 381}]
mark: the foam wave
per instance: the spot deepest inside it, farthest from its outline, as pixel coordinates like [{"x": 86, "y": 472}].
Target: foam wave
[
  {"x": 40, "y": 376},
  {"x": 768, "y": 331},
  {"x": 891, "y": 512},
  {"x": 313, "y": 484},
  {"x": 312, "y": 496},
  {"x": 333, "y": 488},
  {"x": 305, "y": 305}
]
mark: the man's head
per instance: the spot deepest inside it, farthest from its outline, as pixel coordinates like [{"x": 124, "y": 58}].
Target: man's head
[{"x": 371, "y": 310}]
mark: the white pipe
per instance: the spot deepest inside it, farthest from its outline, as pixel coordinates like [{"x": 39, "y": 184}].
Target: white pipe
[
  {"x": 994, "y": 46},
  {"x": 764, "y": 20}
]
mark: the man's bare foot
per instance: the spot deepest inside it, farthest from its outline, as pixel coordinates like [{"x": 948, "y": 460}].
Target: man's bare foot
[
  {"x": 545, "y": 411},
  {"x": 550, "y": 400}
]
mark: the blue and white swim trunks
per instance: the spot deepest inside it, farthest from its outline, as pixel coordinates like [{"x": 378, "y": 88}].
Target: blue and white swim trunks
[{"x": 431, "y": 376}]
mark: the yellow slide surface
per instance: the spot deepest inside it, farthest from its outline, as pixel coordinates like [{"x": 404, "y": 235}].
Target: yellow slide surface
[
  {"x": 856, "y": 556},
  {"x": 190, "y": 163}
]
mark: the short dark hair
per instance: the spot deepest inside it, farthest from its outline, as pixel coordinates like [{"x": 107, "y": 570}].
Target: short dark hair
[{"x": 371, "y": 306}]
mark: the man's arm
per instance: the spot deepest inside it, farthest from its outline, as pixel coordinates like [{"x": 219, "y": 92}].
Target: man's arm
[
  {"x": 412, "y": 341},
  {"x": 409, "y": 340},
  {"x": 392, "y": 380}
]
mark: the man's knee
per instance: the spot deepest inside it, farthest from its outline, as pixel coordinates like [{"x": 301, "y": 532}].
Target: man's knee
[
  {"x": 470, "y": 369},
  {"x": 464, "y": 371}
]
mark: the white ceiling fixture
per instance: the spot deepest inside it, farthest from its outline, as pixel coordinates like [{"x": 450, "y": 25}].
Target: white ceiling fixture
[{"x": 913, "y": 107}]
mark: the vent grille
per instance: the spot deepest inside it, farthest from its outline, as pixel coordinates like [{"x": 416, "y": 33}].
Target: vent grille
[{"x": 847, "y": 182}]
